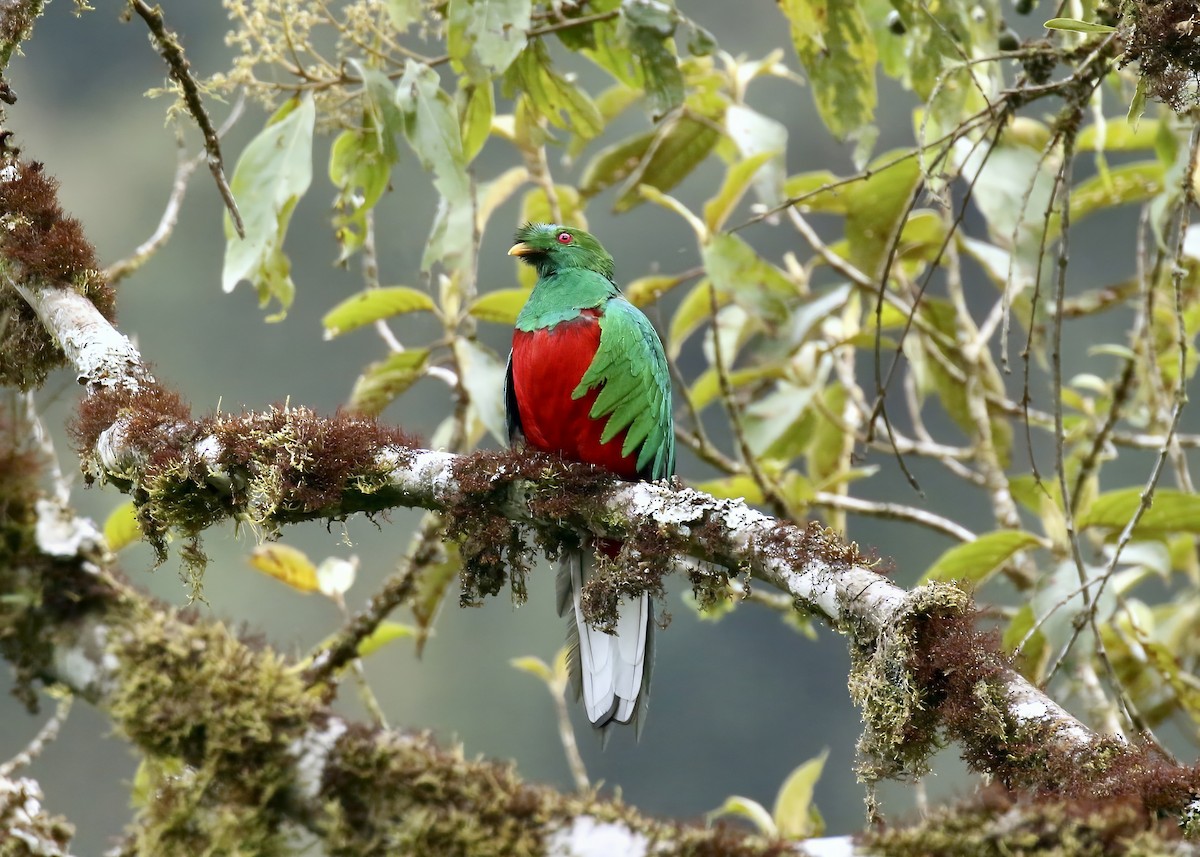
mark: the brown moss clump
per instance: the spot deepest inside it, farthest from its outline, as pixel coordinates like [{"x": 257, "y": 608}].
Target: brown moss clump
[
  {"x": 42, "y": 246},
  {"x": 961, "y": 675},
  {"x": 1164, "y": 40},
  {"x": 283, "y": 465}
]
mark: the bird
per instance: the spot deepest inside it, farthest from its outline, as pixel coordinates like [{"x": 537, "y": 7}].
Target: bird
[{"x": 587, "y": 380}]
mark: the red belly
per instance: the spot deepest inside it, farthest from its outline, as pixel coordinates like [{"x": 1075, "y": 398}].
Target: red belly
[{"x": 547, "y": 366}]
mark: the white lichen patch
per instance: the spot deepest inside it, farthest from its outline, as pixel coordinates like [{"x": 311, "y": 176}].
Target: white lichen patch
[
  {"x": 586, "y": 837},
  {"x": 311, "y": 752},
  {"x": 61, "y": 533}
]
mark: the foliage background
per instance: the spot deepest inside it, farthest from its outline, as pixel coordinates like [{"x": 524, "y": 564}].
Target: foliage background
[{"x": 736, "y": 705}]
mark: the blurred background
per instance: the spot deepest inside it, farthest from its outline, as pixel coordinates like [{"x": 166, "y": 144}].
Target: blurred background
[{"x": 736, "y": 705}]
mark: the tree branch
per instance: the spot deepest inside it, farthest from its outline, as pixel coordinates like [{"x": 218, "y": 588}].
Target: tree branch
[{"x": 885, "y": 624}]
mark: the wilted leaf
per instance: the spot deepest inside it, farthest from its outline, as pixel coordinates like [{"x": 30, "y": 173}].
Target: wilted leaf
[
  {"x": 121, "y": 527},
  {"x": 974, "y": 562},
  {"x": 372, "y": 305},
  {"x": 274, "y": 171},
  {"x": 286, "y": 563},
  {"x": 384, "y": 380}
]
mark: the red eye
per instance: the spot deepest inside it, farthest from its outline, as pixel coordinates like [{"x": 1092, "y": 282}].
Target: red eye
[{"x": 565, "y": 238}]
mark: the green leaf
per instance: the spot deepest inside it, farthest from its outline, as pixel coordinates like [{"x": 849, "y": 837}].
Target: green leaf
[
  {"x": 614, "y": 163},
  {"x": 121, "y": 527},
  {"x": 838, "y": 51},
  {"x": 1074, "y": 25},
  {"x": 274, "y": 171},
  {"x": 432, "y": 585},
  {"x": 1128, "y": 183},
  {"x": 500, "y": 306},
  {"x": 1173, "y": 511},
  {"x": 876, "y": 208},
  {"x": 371, "y": 305},
  {"x": 433, "y": 131},
  {"x": 737, "y": 179},
  {"x": 747, "y": 808},
  {"x": 735, "y": 268},
  {"x": 827, "y": 453},
  {"x": 475, "y": 116},
  {"x": 562, "y": 103},
  {"x": 974, "y": 562},
  {"x": 678, "y": 147},
  {"x": 385, "y": 633},
  {"x": 384, "y": 380},
  {"x": 404, "y": 13},
  {"x": 707, "y": 387},
  {"x": 793, "y": 805},
  {"x": 649, "y": 30},
  {"x": 486, "y": 36},
  {"x": 361, "y": 160},
  {"x": 693, "y": 310}
]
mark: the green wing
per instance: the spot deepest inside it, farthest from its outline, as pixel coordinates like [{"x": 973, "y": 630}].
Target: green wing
[{"x": 631, "y": 370}]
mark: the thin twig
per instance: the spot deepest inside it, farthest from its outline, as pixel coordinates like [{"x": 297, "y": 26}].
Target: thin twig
[{"x": 172, "y": 51}]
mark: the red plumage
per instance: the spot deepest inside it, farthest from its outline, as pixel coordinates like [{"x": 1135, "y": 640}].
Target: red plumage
[{"x": 547, "y": 365}]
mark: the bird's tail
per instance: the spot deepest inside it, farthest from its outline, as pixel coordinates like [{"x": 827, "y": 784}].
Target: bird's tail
[{"x": 610, "y": 671}]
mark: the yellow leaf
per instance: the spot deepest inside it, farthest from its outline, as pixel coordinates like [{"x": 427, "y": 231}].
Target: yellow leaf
[
  {"x": 288, "y": 564},
  {"x": 122, "y": 528},
  {"x": 793, "y": 805}
]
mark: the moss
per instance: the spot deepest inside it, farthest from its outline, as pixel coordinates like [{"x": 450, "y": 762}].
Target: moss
[
  {"x": 39, "y": 244},
  {"x": 229, "y": 715},
  {"x": 386, "y": 794},
  {"x": 997, "y": 824},
  {"x": 899, "y": 728},
  {"x": 279, "y": 466},
  {"x": 1165, "y": 42}
]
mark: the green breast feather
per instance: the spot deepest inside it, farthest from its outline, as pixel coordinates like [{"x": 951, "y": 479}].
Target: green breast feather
[{"x": 636, "y": 392}]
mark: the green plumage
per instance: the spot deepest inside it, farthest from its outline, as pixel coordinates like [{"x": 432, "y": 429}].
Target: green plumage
[
  {"x": 636, "y": 387},
  {"x": 629, "y": 366}
]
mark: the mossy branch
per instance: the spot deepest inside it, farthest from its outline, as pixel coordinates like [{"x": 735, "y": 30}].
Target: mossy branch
[{"x": 288, "y": 464}]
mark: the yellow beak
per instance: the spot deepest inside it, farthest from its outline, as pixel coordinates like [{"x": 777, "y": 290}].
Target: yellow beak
[{"x": 521, "y": 249}]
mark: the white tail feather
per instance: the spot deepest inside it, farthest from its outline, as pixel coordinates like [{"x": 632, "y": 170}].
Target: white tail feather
[{"x": 611, "y": 670}]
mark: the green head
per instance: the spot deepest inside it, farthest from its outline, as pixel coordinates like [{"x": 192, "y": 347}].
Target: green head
[{"x": 551, "y": 248}]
